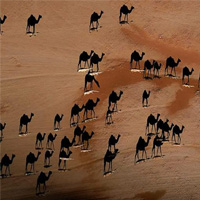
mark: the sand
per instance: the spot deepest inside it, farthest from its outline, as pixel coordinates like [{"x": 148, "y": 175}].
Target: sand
[{"x": 39, "y": 75}]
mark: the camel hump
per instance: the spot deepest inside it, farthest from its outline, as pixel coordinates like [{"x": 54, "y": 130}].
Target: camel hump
[{"x": 135, "y": 54}]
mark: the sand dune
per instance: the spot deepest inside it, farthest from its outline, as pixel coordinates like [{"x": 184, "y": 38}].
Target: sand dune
[{"x": 39, "y": 75}]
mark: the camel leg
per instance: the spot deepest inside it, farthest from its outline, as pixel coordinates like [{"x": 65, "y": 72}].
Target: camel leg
[
  {"x": 142, "y": 154},
  {"x": 145, "y": 153},
  {"x": 160, "y": 151},
  {"x": 111, "y": 165},
  {"x": 104, "y": 166},
  {"x": 87, "y": 144},
  {"x": 26, "y": 128},
  {"x": 88, "y": 64}
]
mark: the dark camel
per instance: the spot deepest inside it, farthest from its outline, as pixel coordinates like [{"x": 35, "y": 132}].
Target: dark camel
[
  {"x": 89, "y": 79},
  {"x": 84, "y": 57},
  {"x": 42, "y": 178},
  {"x": 2, "y": 127},
  {"x": 160, "y": 124},
  {"x": 86, "y": 137},
  {"x": 48, "y": 155},
  {"x": 113, "y": 98},
  {"x": 113, "y": 141},
  {"x": 65, "y": 143},
  {"x": 141, "y": 146},
  {"x": 51, "y": 138},
  {"x": 95, "y": 18},
  {"x": 177, "y": 131},
  {"x": 152, "y": 120},
  {"x": 78, "y": 132},
  {"x": 157, "y": 142},
  {"x": 95, "y": 59},
  {"x": 39, "y": 138},
  {"x": 31, "y": 159},
  {"x": 6, "y": 161},
  {"x": 124, "y": 10},
  {"x": 32, "y": 21},
  {"x": 171, "y": 63},
  {"x": 2, "y": 22},
  {"x": 199, "y": 81},
  {"x": 89, "y": 106},
  {"x": 75, "y": 111},
  {"x": 136, "y": 57},
  {"x": 24, "y": 120},
  {"x": 166, "y": 128},
  {"x": 63, "y": 155},
  {"x": 109, "y": 116},
  {"x": 156, "y": 68},
  {"x": 109, "y": 156},
  {"x": 145, "y": 96},
  {"x": 186, "y": 72},
  {"x": 57, "y": 120},
  {"x": 147, "y": 66}
]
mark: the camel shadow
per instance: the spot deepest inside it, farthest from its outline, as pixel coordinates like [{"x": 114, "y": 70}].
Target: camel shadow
[
  {"x": 47, "y": 166},
  {"x": 108, "y": 173},
  {"x": 29, "y": 173},
  {"x": 156, "y": 76},
  {"x": 158, "y": 156},
  {"x": 148, "y": 78},
  {"x": 23, "y": 134},
  {"x": 123, "y": 22},
  {"x": 40, "y": 194},
  {"x": 5, "y": 176},
  {"x": 74, "y": 124},
  {"x": 63, "y": 170},
  {"x": 146, "y": 106},
  {"x": 140, "y": 160},
  {"x": 109, "y": 123},
  {"x": 39, "y": 148}
]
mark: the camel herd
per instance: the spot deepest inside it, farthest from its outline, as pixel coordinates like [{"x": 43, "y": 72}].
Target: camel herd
[{"x": 89, "y": 110}]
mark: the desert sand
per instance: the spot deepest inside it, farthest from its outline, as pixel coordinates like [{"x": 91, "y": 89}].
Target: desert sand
[{"x": 39, "y": 75}]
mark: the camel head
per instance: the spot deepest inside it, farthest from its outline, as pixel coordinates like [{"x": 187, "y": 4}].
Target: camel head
[
  {"x": 132, "y": 8},
  {"x": 158, "y": 115},
  {"x": 4, "y": 125},
  {"x": 92, "y": 133},
  {"x": 116, "y": 151},
  {"x": 49, "y": 174},
  {"x": 182, "y": 128},
  {"x": 70, "y": 152},
  {"x": 62, "y": 116},
  {"x": 178, "y": 61},
  {"x": 13, "y": 156},
  {"x": 84, "y": 127},
  {"x": 97, "y": 100},
  {"x": 73, "y": 141},
  {"x": 91, "y": 53},
  {"x": 167, "y": 120},
  {"x": 143, "y": 54},
  {"x": 39, "y": 153},
  {"x": 121, "y": 92},
  {"x": 55, "y": 135},
  {"x": 101, "y": 12},
  {"x": 191, "y": 71},
  {"x": 39, "y": 17},
  {"x": 149, "y": 92}
]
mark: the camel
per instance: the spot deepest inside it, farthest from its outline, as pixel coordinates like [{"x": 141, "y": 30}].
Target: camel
[
  {"x": 124, "y": 10},
  {"x": 24, "y": 120},
  {"x": 95, "y": 18},
  {"x": 160, "y": 124},
  {"x": 171, "y": 63},
  {"x": 136, "y": 57},
  {"x": 39, "y": 138},
  {"x": 145, "y": 96},
  {"x": 78, "y": 132},
  {"x": 42, "y": 178},
  {"x": 32, "y": 21},
  {"x": 186, "y": 72},
  {"x": 147, "y": 66},
  {"x": 2, "y": 22},
  {"x": 109, "y": 156},
  {"x": 89, "y": 106},
  {"x": 2, "y": 127},
  {"x": 51, "y": 138},
  {"x": 65, "y": 143},
  {"x": 47, "y": 156},
  {"x": 84, "y": 56},
  {"x": 177, "y": 131},
  {"x": 166, "y": 128},
  {"x": 95, "y": 60},
  {"x": 157, "y": 142},
  {"x": 63, "y": 155},
  {"x": 31, "y": 159},
  {"x": 75, "y": 111},
  {"x": 113, "y": 141},
  {"x": 113, "y": 98},
  {"x": 6, "y": 161},
  {"x": 57, "y": 120},
  {"x": 152, "y": 120},
  {"x": 109, "y": 116},
  {"x": 141, "y": 146},
  {"x": 86, "y": 137},
  {"x": 89, "y": 79},
  {"x": 156, "y": 68}
]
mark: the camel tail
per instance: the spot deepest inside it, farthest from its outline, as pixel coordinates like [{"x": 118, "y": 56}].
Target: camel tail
[
  {"x": 96, "y": 82},
  {"x": 120, "y": 15}
]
